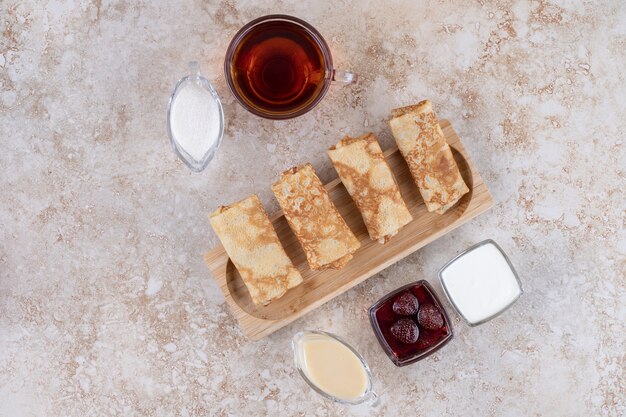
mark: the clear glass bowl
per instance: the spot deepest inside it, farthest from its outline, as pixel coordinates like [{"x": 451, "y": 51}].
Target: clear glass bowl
[
  {"x": 446, "y": 290},
  {"x": 382, "y": 316},
  {"x": 195, "y": 77},
  {"x": 369, "y": 396}
]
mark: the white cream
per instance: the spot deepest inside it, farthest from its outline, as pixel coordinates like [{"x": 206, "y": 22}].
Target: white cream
[{"x": 480, "y": 283}]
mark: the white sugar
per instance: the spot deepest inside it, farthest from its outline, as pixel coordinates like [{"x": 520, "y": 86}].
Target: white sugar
[{"x": 195, "y": 120}]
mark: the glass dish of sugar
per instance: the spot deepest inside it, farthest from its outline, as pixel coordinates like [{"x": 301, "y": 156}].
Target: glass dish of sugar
[
  {"x": 480, "y": 282},
  {"x": 195, "y": 119}
]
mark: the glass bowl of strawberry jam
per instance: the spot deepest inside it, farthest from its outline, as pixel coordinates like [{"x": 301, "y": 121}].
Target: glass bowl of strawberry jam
[{"x": 410, "y": 323}]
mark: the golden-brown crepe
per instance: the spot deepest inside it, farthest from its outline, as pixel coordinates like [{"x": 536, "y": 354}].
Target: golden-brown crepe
[
  {"x": 324, "y": 236},
  {"x": 430, "y": 160},
  {"x": 366, "y": 175},
  {"x": 252, "y": 244}
]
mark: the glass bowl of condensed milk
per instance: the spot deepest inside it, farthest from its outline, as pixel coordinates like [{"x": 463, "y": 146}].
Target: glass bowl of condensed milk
[{"x": 333, "y": 368}]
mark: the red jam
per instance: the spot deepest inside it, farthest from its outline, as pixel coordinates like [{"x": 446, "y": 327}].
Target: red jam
[{"x": 383, "y": 318}]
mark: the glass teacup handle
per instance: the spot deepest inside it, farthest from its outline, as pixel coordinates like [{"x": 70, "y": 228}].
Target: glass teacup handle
[{"x": 344, "y": 77}]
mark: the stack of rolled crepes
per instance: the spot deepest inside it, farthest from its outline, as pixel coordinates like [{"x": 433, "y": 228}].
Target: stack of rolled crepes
[
  {"x": 323, "y": 234},
  {"x": 366, "y": 175},
  {"x": 251, "y": 241},
  {"x": 423, "y": 146},
  {"x": 252, "y": 244}
]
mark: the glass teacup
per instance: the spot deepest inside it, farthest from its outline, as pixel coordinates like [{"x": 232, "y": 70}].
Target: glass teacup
[{"x": 279, "y": 67}]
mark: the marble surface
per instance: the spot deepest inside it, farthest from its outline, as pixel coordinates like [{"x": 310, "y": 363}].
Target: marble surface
[{"x": 106, "y": 307}]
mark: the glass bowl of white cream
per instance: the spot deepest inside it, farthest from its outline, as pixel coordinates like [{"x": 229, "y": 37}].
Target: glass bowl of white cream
[
  {"x": 480, "y": 282},
  {"x": 195, "y": 119}
]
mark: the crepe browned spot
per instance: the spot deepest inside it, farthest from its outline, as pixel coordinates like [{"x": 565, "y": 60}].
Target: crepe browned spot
[
  {"x": 323, "y": 234},
  {"x": 366, "y": 175},
  {"x": 251, "y": 242},
  {"x": 423, "y": 146}
]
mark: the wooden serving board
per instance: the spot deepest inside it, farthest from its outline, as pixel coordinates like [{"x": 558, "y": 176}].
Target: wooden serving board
[{"x": 320, "y": 286}]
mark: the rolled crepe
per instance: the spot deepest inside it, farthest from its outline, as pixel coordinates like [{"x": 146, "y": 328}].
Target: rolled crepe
[
  {"x": 323, "y": 234},
  {"x": 366, "y": 175},
  {"x": 430, "y": 160},
  {"x": 253, "y": 246}
]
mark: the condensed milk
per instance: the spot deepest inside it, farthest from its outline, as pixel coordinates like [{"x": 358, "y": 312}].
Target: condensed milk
[{"x": 332, "y": 367}]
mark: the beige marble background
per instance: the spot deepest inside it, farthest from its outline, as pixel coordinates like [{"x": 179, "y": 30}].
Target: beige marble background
[{"x": 106, "y": 307}]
